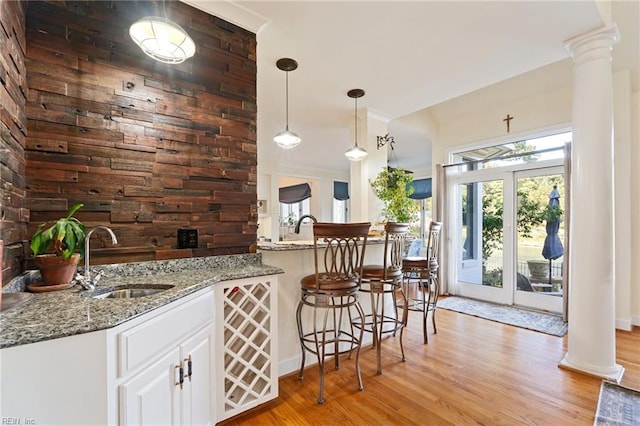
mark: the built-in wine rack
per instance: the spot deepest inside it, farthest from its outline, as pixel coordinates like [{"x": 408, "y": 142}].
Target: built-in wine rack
[{"x": 250, "y": 377}]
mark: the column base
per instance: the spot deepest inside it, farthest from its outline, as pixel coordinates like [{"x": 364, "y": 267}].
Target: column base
[{"x": 615, "y": 376}]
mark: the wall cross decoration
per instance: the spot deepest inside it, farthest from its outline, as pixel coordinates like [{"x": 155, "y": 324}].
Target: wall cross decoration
[{"x": 508, "y": 118}]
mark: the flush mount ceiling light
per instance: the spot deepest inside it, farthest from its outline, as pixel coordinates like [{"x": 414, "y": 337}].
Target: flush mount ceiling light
[
  {"x": 356, "y": 153},
  {"x": 287, "y": 139},
  {"x": 162, "y": 39}
]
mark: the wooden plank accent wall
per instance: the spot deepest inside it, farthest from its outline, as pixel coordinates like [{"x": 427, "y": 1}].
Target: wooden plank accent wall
[
  {"x": 147, "y": 147},
  {"x": 13, "y": 128}
]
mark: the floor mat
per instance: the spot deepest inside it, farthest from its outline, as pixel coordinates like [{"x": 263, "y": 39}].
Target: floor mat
[
  {"x": 617, "y": 405},
  {"x": 538, "y": 321}
]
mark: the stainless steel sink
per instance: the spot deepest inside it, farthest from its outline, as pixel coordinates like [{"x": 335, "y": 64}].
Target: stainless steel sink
[
  {"x": 13, "y": 300},
  {"x": 127, "y": 291}
]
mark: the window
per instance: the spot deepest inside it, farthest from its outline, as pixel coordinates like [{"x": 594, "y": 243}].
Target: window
[
  {"x": 294, "y": 202},
  {"x": 422, "y": 195},
  {"x": 290, "y": 213},
  {"x": 340, "y": 202}
]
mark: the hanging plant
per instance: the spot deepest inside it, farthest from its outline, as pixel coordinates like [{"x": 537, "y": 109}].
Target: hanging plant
[{"x": 392, "y": 187}]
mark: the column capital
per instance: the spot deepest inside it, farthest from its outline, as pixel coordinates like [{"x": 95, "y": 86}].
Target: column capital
[{"x": 594, "y": 44}]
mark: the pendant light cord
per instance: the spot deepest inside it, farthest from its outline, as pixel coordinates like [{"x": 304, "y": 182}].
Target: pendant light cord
[
  {"x": 286, "y": 90},
  {"x": 355, "y": 121}
]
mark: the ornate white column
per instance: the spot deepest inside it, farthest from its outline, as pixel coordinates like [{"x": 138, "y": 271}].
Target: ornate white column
[{"x": 591, "y": 341}]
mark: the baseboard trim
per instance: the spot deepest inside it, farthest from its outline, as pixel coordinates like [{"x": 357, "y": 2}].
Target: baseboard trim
[{"x": 624, "y": 324}]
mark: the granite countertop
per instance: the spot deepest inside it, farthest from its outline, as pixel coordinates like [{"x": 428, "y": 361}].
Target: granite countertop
[
  {"x": 63, "y": 313},
  {"x": 303, "y": 244}
]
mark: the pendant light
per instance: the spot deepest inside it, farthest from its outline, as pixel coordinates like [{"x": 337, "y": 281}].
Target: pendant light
[
  {"x": 356, "y": 153},
  {"x": 163, "y": 40},
  {"x": 287, "y": 139}
]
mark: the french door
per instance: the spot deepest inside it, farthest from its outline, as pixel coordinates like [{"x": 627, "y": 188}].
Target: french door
[{"x": 500, "y": 228}]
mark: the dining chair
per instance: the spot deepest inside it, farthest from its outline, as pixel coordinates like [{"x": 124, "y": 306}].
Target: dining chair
[
  {"x": 383, "y": 282},
  {"x": 424, "y": 272},
  {"x": 332, "y": 293}
]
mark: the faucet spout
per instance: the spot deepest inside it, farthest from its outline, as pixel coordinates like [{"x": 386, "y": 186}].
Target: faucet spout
[
  {"x": 87, "y": 273},
  {"x": 303, "y": 217}
]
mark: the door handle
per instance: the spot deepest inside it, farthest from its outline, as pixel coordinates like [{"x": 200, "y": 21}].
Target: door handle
[
  {"x": 189, "y": 367},
  {"x": 180, "y": 375}
]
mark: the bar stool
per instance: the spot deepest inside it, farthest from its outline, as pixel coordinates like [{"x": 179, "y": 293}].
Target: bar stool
[
  {"x": 424, "y": 270},
  {"x": 384, "y": 283},
  {"x": 331, "y": 292}
]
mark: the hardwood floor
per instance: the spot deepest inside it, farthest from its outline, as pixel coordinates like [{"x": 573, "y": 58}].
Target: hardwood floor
[{"x": 473, "y": 371}]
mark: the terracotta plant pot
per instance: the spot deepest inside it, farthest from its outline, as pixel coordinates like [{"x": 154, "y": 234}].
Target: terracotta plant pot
[{"x": 55, "y": 270}]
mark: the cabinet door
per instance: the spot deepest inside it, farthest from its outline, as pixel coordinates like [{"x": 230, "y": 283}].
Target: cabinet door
[
  {"x": 152, "y": 397},
  {"x": 198, "y": 392}
]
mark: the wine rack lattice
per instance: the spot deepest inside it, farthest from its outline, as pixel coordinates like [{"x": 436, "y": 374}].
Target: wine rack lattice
[{"x": 247, "y": 343}]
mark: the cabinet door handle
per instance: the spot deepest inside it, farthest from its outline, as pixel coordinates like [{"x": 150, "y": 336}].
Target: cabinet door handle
[
  {"x": 189, "y": 369},
  {"x": 180, "y": 375}
]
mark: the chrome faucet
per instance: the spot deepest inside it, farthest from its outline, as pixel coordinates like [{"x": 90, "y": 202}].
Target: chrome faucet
[
  {"x": 303, "y": 217},
  {"x": 87, "y": 282}
]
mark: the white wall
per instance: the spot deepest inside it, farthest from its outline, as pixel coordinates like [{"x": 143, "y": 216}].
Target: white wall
[
  {"x": 635, "y": 209},
  {"x": 477, "y": 118},
  {"x": 623, "y": 195}
]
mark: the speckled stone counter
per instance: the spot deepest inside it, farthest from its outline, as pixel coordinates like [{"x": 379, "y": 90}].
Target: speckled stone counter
[
  {"x": 303, "y": 244},
  {"x": 67, "y": 312}
]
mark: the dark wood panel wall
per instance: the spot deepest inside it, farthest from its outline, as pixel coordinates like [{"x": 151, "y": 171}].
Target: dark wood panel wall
[
  {"x": 13, "y": 130},
  {"x": 147, "y": 147}
]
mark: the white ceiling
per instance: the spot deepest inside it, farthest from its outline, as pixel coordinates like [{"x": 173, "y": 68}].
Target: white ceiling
[{"x": 407, "y": 56}]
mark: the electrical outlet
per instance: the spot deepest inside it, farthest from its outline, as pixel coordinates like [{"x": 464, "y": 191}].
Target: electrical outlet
[{"x": 187, "y": 238}]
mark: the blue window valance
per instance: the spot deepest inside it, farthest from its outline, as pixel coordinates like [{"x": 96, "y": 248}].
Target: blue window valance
[
  {"x": 295, "y": 193},
  {"x": 421, "y": 189},
  {"x": 341, "y": 190}
]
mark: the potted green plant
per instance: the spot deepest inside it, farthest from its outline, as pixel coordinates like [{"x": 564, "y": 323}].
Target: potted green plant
[
  {"x": 392, "y": 187},
  {"x": 65, "y": 238}
]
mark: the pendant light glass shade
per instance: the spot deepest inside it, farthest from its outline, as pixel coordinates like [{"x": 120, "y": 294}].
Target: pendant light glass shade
[
  {"x": 287, "y": 139},
  {"x": 356, "y": 153},
  {"x": 163, "y": 40}
]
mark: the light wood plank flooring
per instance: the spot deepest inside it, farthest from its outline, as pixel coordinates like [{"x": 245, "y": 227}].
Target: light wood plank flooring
[{"x": 473, "y": 372}]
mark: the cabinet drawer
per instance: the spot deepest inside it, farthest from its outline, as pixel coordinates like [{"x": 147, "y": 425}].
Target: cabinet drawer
[{"x": 141, "y": 344}]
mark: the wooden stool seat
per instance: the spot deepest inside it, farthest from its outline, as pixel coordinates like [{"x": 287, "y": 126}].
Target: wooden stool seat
[
  {"x": 379, "y": 272},
  {"x": 328, "y": 283}
]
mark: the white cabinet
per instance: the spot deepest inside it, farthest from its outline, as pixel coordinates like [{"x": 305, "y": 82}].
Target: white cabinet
[
  {"x": 246, "y": 340},
  {"x": 166, "y": 364},
  {"x": 198, "y": 392},
  {"x": 124, "y": 375},
  {"x": 151, "y": 398},
  {"x": 176, "y": 389}
]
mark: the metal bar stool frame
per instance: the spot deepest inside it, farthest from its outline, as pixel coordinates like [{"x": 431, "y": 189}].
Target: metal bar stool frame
[
  {"x": 338, "y": 256},
  {"x": 425, "y": 271},
  {"x": 382, "y": 281}
]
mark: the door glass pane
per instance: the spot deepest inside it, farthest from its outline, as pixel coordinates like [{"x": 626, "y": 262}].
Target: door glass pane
[
  {"x": 481, "y": 234},
  {"x": 540, "y": 234}
]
